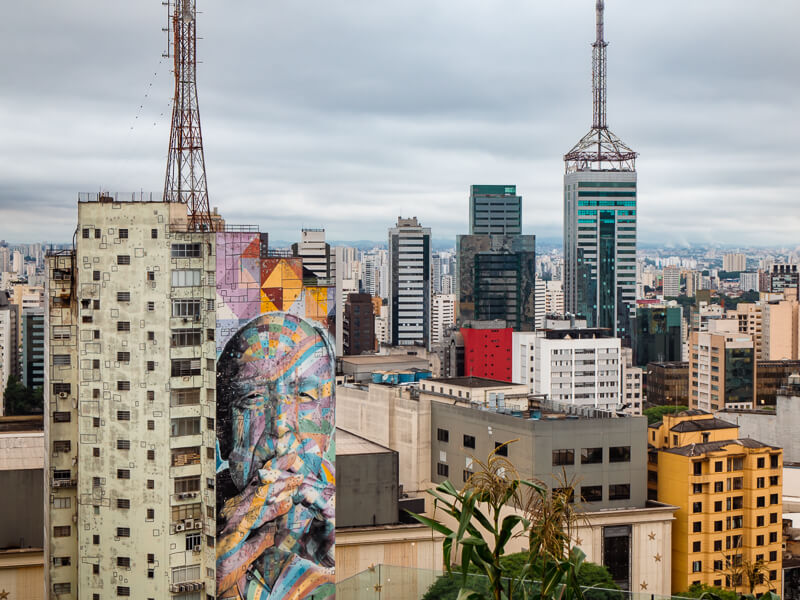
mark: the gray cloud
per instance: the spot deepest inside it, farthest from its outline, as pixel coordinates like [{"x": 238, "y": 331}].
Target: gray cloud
[{"x": 345, "y": 115}]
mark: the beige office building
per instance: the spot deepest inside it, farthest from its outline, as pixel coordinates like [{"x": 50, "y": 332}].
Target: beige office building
[
  {"x": 781, "y": 328},
  {"x": 722, "y": 369},
  {"x": 129, "y": 407}
]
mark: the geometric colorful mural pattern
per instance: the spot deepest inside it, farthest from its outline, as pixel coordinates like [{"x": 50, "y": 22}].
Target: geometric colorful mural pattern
[{"x": 275, "y": 428}]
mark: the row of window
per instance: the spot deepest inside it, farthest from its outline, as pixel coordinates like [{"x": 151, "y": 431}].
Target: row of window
[
  {"x": 616, "y": 454},
  {"x": 179, "y": 397}
]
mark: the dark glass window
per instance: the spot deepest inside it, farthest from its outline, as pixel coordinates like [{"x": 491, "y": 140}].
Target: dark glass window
[
  {"x": 591, "y": 456},
  {"x": 592, "y": 493},
  {"x": 619, "y": 454},
  {"x": 564, "y": 456}
]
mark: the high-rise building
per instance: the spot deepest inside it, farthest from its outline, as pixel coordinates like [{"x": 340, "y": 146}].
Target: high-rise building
[
  {"x": 443, "y": 315},
  {"x": 495, "y": 210},
  {"x": 671, "y": 282},
  {"x": 722, "y": 370},
  {"x": 692, "y": 282},
  {"x": 657, "y": 334},
  {"x": 436, "y": 273},
  {"x": 9, "y": 343},
  {"x": 316, "y": 254},
  {"x": 358, "y": 325},
  {"x": 409, "y": 283},
  {"x": 540, "y": 302},
  {"x": 734, "y": 261},
  {"x": 781, "y": 326},
  {"x": 600, "y": 217},
  {"x": 32, "y": 359},
  {"x": 748, "y": 281},
  {"x": 784, "y": 277},
  {"x": 130, "y": 395},
  {"x": 728, "y": 490}
]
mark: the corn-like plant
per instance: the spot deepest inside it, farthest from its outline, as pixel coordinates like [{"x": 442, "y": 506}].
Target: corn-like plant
[{"x": 482, "y": 534}]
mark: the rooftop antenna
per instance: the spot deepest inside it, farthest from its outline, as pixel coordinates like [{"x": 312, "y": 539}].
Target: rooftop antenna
[
  {"x": 186, "y": 169},
  {"x": 600, "y": 149}
]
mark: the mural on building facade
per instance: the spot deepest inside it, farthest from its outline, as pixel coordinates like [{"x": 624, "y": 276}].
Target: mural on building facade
[{"x": 275, "y": 429}]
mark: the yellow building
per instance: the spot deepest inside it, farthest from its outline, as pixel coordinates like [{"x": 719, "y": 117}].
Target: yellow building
[{"x": 729, "y": 494}]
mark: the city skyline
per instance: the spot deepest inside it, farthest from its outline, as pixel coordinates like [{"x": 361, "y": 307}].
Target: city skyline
[{"x": 306, "y": 119}]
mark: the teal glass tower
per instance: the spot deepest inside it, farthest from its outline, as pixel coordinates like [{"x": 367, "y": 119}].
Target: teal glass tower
[{"x": 600, "y": 205}]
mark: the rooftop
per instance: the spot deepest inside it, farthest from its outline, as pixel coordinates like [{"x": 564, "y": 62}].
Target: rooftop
[
  {"x": 380, "y": 359},
  {"x": 702, "y": 425},
  {"x": 701, "y": 449},
  {"x": 473, "y": 382},
  {"x": 348, "y": 444}
]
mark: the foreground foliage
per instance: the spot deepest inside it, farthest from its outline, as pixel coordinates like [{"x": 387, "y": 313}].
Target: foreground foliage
[
  {"x": 447, "y": 587},
  {"x": 485, "y": 525}
]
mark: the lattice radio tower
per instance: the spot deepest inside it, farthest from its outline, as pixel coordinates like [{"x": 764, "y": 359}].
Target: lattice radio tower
[
  {"x": 186, "y": 168},
  {"x": 600, "y": 149}
]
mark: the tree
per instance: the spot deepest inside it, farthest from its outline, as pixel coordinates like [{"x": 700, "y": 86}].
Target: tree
[
  {"x": 19, "y": 400},
  {"x": 655, "y": 413},
  {"x": 482, "y": 534}
]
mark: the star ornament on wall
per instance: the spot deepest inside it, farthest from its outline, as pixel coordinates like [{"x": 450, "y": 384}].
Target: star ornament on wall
[
  {"x": 657, "y": 558},
  {"x": 578, "y": 541},
  {"x": 652, "y": 535},
  {"x": 643, "y": 585},
  {"x": 4, "y": 594}
]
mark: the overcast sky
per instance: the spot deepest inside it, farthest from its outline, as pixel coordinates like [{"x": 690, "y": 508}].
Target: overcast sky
[{"x": 345, "y": 115}]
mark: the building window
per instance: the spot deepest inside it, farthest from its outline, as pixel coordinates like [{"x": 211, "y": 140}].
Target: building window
[
  {"x": 717, "y": 525},
  {"x": 85, "y": 233},
  {"x": 697, "y": 507},
  {"x": 123, "y": 474},
  {"x": 697, "y": 526},
  {"x": 718, "y": 466},
  {"x": 773, "y": 461},
  {"x": 774, "y": 480},
  {"x": 154, "y": 234},
  {"x": 717, "y": 545},
  {"x": 61, "y": 531},
  {"x": 697, "y": 566},
  {"x": 95, "y": 275},
  {"x": 501, "y": 449},
  {"x": 95, "y": 539},
  {"x": 151, "y": 455},
  {"x": 186, "y": 277},
  {"x": 443, "y": 435},
  {"x": 469, "y": 441},
  {"x": 697, "y": 468},
  {"x": 185, "y": 367},
  {"x": 123, "y": 415},
  {"x": 151, "y": 306},
  {"x": 123, "y": 444},
  {"x": 186, "y": 308},
  {"x": 619, "y": 454},
  {"x": 123, "y": 590},
  {"x": 151, "y": 514},
  {"x": 124, "y": 561},
  {"x": 696, "y": 546},
  {"x": 773, "y": 556},
  {"x": 62, "y": 588},
  {"x": 760, "y": 462},
  {"x": 184, "y": 426},
  {"x": 773, "y": 537},
  {"x": 442, "y": 470},
  {"x": 773, "y": 499},
  {"x": 759, "y": 540},
  {"x": 185, "y": 485},
  {"x": 61, "y": 360},
  {"x": 591, "y": 493},
  {"x": 123, "y": 503},
  {"x": 186, "y": 337},
  {"x": 62, "y": 445},
  {"x": 591, "y": 456},
  {"x": 736, "y": 463},
  {"x": 62, "y": 388},
  {"x": 718, "y": 506},
  {"x": 151, "y": 276},
  {"x": 123, "y": 357},
  {"x": 563, "y": 457},
  {"x": 123, "y": 259},
  {"x": 773, "y": 517},
  {"x": 718, "y": 487},
  {"x": 697, "y": 488},
  {"x": 123, "y": 325},
  {"x": 61, "y": 561},
  {"x": 61, "y": 417},
  {"x": 185, "y": 397},
  {"x": 187, "y": 251},
  {"x": 151, "y": 365},
  {"x": 619, "y": 491}
]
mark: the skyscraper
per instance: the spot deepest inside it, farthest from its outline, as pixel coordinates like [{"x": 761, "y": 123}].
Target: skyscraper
[
  {"x": 600, "y": 215},
  {"x": 496, "y": 263},
  {"x": 130, "y": 476},
  {"x": 316, "y": 253},
  {"x": 671, "y": 282},
  {"x": 495, "y": 209},
  {"x": 409, "y": 283},
  {"x": 9, "y": 343}
]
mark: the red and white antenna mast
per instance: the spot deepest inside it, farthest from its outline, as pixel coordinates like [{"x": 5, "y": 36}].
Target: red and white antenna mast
[
  {"x": 600, "y": 149},
  {"x": 186, "y": 169}
]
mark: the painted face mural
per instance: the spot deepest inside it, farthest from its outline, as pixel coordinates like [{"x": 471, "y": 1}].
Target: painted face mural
[{"x": 275, "y": 461}]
